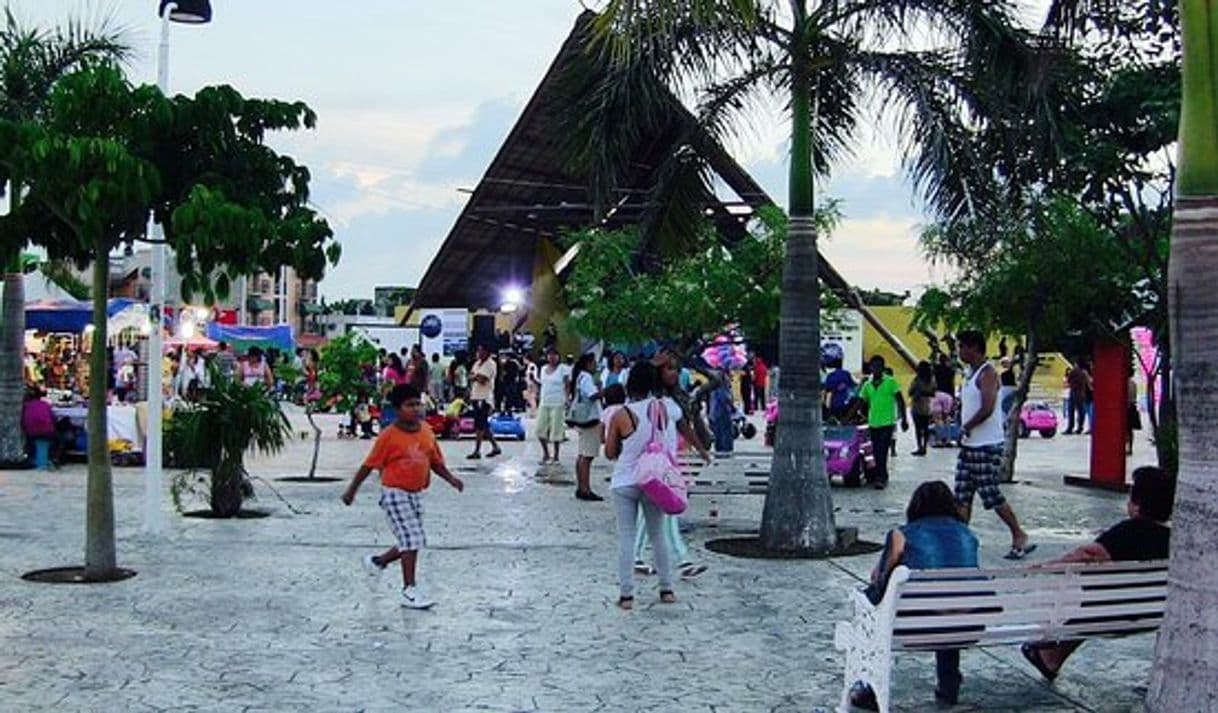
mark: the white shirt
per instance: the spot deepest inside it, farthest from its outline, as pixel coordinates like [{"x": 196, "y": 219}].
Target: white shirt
[
  {"x": 989, "y": 431},
  {"x": 634, "y": 444},
  {"x": 553, "y": 385},
  {"x": 586, "y": 385}
]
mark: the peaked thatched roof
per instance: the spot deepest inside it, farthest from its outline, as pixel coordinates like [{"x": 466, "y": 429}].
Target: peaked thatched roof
[{"x": 532, "y": 190}]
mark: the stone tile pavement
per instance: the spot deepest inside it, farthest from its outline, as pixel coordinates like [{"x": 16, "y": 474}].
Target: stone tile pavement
[{"x": 277, "y": 615}]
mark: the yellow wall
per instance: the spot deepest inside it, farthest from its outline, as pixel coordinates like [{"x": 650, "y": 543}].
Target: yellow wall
[{"x": 1046, "y": 384}]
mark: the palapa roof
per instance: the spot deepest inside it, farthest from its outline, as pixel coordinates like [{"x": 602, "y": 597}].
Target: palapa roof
[{"x": 531, "y": 190}]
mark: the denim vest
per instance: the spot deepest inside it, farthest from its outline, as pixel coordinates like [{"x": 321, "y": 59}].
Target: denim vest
[{"x": 938, "y": 542}]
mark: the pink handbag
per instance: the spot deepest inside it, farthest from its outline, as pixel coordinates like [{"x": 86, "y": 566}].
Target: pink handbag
[{"x": 656, "y": 472}]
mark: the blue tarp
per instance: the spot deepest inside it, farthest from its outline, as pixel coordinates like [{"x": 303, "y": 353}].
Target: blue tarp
[
  {"x": 58, "y": 316},
  {"x": 279, "y": 336}
]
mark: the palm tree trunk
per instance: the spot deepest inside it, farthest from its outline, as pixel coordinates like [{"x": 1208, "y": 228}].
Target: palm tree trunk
[
  {"x": 316, "y": 441},
  {"x": 1011, "y": 446},
  {"x": 100, "y": 556},
  {"x": 12, "y": 362},
  {"x": 227, "y": 481},
  {"x": 1185, "y": 673},
  {"x": 798, "y": 513}
]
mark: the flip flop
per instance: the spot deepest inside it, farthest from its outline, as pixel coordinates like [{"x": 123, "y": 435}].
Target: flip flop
[
  {"x": 1032, "y": 654},
  {"x": 1018, "y": 553},
  {"x": 643, "y": 569},
  {"x": 692, "y": 571},
  {"x": 667, "y": 596},
  {"x": 625, "y": 603}
]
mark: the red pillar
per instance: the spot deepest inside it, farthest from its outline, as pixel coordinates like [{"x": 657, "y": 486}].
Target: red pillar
[{"x": 1111, "y": 384}]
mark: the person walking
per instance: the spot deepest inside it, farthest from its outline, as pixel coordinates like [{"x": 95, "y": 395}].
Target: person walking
[
  {"x": 746, "y": 387},
  {"x": 981, "y": 443},
  {"x": 1079, "y": 381},
  {"x": 882, "y": 394},
  {"x": 406, "y": 454},
  {"x": 616, "y": 371},
  {"x": 761, "y": 375},
  {"x": 627, "y": 437},
  {"x": 481, "y": 397},
  {"x": 582, "y": 389},
  {"x": 435, "y": 380},
  {"x": 922, "y": 392},
  {"x": 551, "y": 424}
]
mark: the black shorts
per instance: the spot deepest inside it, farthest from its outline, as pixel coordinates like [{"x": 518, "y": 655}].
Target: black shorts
[{"x": 482, "y": 415}]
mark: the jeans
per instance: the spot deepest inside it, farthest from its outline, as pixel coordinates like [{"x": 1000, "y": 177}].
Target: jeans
[
  {"x": 721, "y": 428},
  {"x": 947, "y": 669},
  {"x": 627, "y": 502},
  {"x": 672, "y": 537},
  {"x": 1078, "y": 410},
  {"x": 881, "y": 446}
]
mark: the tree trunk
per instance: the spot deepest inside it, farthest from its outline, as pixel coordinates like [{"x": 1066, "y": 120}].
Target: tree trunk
[
  {"x": 12, "y": 364},
  {"x": 227, "y": 487},
  {"x": 1167, "y": 432},
  {"x": 316, "y": 441},
  {"x": 1010, "y": 447},
  {"x": 1185, "y": 674},
  {"x": 798, "y": 513},
  {"x": 100, "y": 556}
]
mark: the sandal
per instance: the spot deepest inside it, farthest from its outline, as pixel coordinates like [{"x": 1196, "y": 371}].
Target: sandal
[
  {"x": 667, "y": 596},
  {"x": 474, "y": 456},
  {"x": 643, "y": 568},
  {"x": 1018, "y": 553},
  {"x": 1032, "y": 654},
  {"x": 494, "y": 453},
  {"x": 625, "y": 603},
  {"x": 693, "y": 570}
]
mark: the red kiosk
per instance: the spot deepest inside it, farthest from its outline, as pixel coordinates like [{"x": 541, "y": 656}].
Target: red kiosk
[{"x": 1110, "y": 422}]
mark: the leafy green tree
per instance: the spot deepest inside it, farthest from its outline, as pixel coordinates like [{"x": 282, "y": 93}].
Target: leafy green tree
[
  {"x": 106, "y": 157},
  {"x": 687, "y": 298},
  {"x": 821, "y": 58},
  {"x": 340, "y": 379},
  {"x": 1024, "y": 285},
  {"x": 32, "y": 60}
]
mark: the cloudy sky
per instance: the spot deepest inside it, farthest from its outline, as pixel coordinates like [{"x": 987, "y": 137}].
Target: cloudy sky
[{"x": 414, "y": 98}]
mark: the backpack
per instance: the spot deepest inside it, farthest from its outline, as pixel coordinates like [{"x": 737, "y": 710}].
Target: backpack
[{"x": 656, "y": 472}]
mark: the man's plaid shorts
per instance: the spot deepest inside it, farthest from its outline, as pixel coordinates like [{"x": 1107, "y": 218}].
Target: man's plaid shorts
[
  {"x": 977, "y": 471},
  {"x": 405, "y": 512}
]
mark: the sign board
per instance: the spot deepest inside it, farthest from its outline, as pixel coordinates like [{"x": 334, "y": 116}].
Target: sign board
[
  {"x": 444, "y": 331},
  {"x": 841, "y": 334}
]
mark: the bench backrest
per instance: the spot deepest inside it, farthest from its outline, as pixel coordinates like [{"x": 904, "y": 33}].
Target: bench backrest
[
  {"x": 742, "y": 473},
  {"x": 951, "y": 608}
]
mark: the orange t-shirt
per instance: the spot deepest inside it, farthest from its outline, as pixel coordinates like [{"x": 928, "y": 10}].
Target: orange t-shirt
[{"x": 405, "y": 458}]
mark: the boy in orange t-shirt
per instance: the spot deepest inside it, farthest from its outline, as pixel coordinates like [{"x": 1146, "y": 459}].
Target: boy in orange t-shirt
[{"x": 406, "y": 454}]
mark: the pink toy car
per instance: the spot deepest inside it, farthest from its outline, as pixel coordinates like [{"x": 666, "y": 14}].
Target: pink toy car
[
  {"x": 1037, "y": 416},
  {"x": 848, "y": 453}
]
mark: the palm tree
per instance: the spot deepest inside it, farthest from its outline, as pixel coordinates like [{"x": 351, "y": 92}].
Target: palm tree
[
  {"x": 822, "y": 57},
  {"x": 32, "y": 60},
  {"x": 1182, "y": 674}
]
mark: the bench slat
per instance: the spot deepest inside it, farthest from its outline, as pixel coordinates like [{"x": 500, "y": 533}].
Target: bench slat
[
  {"x": 1046, "y": 615},
  {"x": 1087, "y": 569},
  {"x": 1048, "y": 582},
  {"x": 1030, "y": 599},
  {"x": 1019, "y": 634}
]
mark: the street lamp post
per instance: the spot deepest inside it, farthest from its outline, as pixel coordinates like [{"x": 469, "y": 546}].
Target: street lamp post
[{"x": 191, "y": 12}]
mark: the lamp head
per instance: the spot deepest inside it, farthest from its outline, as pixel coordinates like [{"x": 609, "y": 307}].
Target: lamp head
[{"x": 190, "y": 12}]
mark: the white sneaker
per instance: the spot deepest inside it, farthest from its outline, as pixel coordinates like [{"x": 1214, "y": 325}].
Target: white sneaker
[
  {"x": 414, "y": 598},
  {"x": 371, "y": 567}
]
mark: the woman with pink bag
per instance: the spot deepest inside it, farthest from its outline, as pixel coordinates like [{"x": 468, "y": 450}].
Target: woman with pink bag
[{"x": 629, "y": 433}]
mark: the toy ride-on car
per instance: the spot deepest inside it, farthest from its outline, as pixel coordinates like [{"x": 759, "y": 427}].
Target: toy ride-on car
[
  {"x": 848, "y": 453},
  {"x": 1037, "y": 416}
]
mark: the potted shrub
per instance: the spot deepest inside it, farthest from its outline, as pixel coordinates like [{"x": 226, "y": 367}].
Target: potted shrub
[{"x": 216, "y": 432}]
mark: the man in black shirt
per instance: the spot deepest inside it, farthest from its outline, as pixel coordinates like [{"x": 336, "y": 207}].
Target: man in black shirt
[
  {"x": 1144, "y": 536},
  {"x": 945, "y": 375}
]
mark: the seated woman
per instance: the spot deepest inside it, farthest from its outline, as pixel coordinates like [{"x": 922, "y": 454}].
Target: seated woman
[
  {"x": 933, "y": 537},
  {"x": 1143, "y": 536}
]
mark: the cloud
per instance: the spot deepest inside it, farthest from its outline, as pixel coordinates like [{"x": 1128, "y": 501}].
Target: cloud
[{"x": 880, "y": 251}]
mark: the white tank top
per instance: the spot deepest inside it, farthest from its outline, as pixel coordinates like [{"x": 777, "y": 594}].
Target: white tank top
[
  {"x": 634, "y": 444},
  {"x": 989, "y": 431}
]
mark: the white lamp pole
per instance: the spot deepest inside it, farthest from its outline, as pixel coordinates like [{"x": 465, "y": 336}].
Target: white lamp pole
[{"x": 189, "y": 12}]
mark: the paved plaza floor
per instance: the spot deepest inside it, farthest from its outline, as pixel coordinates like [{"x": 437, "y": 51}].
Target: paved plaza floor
[{"x": 276, "y": 614}]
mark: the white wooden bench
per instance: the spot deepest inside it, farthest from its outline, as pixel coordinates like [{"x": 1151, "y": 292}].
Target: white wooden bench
[
  {"x": 742, "y": 473},
  {"x": 924, "y": 610}
]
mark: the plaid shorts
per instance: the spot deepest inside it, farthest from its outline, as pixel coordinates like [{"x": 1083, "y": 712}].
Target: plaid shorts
[
  {"x": 977, "y": 471},
  {"x": 405, "y": 512}
]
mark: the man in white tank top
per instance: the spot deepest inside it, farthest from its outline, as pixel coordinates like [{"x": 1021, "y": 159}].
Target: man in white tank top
[{"x": 979, "y": 465}]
